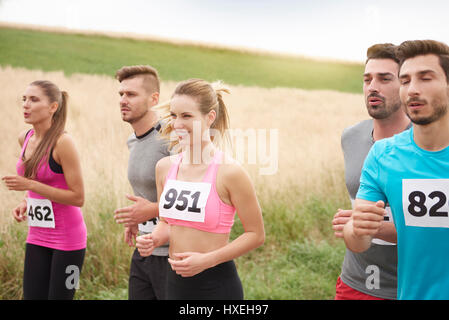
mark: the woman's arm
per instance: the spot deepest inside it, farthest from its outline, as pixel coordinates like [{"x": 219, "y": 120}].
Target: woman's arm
[
  {"x": 64, "y": 153},
  {"x": 161, "y": 233},
  {"x": 148, "y": 242},
  {"x": 244, "y": 199},
  {"x": 19, "y": 212}
]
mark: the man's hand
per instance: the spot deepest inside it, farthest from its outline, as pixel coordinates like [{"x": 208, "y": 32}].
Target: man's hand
[
  {"x": 142, "y": 210},
  {"x": 368, "y": 218},
  {"x": 365, "y": 223},
  {"x": 339, "y": 221},
  {"x": 131, "y": 233}
]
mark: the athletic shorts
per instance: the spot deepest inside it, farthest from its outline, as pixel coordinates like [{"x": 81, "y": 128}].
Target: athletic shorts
[
  {"x": 221, "y": 282},
  {"x": 345, "y": 292},
  {"x": 147, "y": 277}
]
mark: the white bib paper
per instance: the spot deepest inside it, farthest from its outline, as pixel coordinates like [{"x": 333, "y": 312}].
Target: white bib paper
[
  {"x": 425, "y": 202},
  {"x": 148, "y": 226},
  {"x": 40, "y": 213},
  {"x": 184, "y": 200}
]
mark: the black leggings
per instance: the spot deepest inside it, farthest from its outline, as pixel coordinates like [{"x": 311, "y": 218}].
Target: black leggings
[
  {"x": 51, "y": 274},
  {"x": 221, "y": 282}
]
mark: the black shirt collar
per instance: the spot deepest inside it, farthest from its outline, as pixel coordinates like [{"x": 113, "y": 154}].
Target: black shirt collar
[{"x": 158, "y": 127}]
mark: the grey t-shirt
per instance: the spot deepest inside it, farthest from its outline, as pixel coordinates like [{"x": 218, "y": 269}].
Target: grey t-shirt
[
  {"x": 145, "y": 152},
  {"x": 373, "y": 272}
]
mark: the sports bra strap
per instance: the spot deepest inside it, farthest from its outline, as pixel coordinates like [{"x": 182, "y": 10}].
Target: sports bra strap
[
  {"x": 25, "y": 142},
  {"x": 173, "y": 171},
  {"x": 211, "y": 173}
]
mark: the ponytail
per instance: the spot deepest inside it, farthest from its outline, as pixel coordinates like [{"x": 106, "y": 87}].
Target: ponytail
[{"x": 221, "y": 122}]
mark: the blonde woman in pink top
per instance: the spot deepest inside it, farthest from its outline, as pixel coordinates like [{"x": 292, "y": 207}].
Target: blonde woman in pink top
[
  {"x": 49, "y": 170},
  {"x": 199, "y": 191}
]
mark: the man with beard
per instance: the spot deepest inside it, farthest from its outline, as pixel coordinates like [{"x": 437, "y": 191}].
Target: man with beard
[
  {"x": 372, "y": 274},
  {"x": 410, "y": 171},
  {"x": 139, "y": 91}
]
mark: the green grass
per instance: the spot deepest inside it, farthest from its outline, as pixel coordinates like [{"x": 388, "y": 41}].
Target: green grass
[
  {"x": 305, "y": 270},
  {"x": 299, "y": 260},
  {"x": 92, "y": 54}
]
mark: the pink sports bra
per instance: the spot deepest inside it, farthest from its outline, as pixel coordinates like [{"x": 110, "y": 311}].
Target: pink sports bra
[{"x": 196, "y": 204}]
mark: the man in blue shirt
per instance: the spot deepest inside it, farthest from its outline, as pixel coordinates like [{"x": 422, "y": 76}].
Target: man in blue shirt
[{"x": 410, "y": 172}]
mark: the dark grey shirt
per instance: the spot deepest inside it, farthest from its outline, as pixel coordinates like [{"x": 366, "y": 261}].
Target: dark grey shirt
[
  {"x": 145, "y": 152},
  {"x": 374, "y": 271}
]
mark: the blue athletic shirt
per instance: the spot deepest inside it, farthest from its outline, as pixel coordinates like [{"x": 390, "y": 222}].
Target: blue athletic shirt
[{"x": 415, "y": 183}]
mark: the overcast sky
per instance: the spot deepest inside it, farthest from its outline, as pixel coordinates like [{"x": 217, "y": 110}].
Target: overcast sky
[{"x": 337, "y": 29}]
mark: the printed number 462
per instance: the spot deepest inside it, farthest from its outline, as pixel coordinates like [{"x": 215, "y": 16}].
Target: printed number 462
[{"x": 38, "y": 214}]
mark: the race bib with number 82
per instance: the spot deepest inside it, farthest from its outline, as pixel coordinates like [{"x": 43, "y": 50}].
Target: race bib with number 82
[{"x": 425, "y": 202}]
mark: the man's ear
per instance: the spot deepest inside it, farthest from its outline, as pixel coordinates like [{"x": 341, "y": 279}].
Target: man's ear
[{"x": 154, "y": 98}]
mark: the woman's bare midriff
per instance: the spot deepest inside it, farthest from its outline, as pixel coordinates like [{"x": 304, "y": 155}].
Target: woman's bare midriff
[{"x": 185, "y": 239}]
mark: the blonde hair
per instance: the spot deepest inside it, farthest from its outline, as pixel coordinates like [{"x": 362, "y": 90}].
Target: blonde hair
[{"x": 209, "y": 97}]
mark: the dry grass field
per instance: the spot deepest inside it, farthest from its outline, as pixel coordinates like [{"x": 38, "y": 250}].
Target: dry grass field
[{"x": 310, "y": 162}]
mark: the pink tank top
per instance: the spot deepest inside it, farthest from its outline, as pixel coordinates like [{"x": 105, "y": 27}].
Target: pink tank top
[
  {"x": 69, "y": 231},
  {"x": 196, "y": 204}
]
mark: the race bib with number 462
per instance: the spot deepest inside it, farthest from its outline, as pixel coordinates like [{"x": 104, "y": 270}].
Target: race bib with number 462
[
  {"x": 425, "y": 202},
  {"x": 184, "y": 200},
  {"x": 40, "y": 213}
]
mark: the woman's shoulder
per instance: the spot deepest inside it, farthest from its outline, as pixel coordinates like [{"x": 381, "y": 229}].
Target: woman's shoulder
[
  {"x": 22, "y": 136},
  {"x": 64, "y": 147},
  {"x": 164, "y": 164},
  {"x": 231, "y": 170},
  {"x": 64, "y": 140}
]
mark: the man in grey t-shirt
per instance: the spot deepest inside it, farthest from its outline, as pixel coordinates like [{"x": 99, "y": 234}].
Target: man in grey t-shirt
[
  {"x": 371, "y": 274},
  {"x": 139, "y": 91}
]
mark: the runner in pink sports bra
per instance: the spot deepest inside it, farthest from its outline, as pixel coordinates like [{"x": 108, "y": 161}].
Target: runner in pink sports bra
[
  {"x": 194, "y": 218},
  {"x": 218, "y": 216},
  {"x": 69, "y": 232}
]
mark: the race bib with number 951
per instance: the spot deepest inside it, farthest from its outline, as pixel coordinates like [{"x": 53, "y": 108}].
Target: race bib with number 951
[
  {"x": 184, "y": 200},
  {"x": 40, "y": 213},
  {"x": 425, "y": 202}
]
